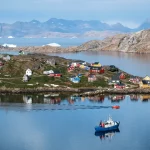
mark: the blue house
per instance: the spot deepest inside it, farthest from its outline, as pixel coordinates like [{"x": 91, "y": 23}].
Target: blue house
[{"x": 75, "y": 79}]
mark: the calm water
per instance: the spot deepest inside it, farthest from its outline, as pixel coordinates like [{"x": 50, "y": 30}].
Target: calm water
[
  {"x": 35, "y": 122},
  {"x": 64, "y": 42},
  {"x": 136, "y": 64}
]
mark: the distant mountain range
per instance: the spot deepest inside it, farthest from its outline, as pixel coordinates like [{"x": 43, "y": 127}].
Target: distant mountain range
[{"x": 64, "y": 28}]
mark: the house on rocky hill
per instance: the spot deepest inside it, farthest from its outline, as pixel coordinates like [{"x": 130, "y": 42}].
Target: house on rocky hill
[
  {"x": 121, "y": 75},
  {"x": 91, "y": 77},
  {"x": 29, "y": 72},
  {"x": 25, "y": 78},
  {"x": 99, "y": 70},
  {"x": 145, "y": 83},
  {"x": 114, "y": 80},
  {"x": 6, "y": 58}
]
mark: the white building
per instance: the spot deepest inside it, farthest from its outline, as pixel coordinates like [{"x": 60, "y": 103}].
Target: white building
[
  {"x": 48, "y": 72},
  {"x": 29, "y": 72}
]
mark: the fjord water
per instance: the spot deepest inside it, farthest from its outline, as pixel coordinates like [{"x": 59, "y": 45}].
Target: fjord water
[{"x": 35, "y": 122}]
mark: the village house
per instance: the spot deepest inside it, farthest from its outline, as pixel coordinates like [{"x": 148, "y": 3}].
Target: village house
[
  {"x": 48, "y": 72},
  {"x": 29, "y": 72},
  {"x": 99, "y": 70},
  {"x": 134, "y": 79},
  {"x": 121, "y": 75},
  {"x": 70, "y": 68},
  {"x": 55, "y": 74},
  {"x": 96, "y": 64},
  {"x": 51, "y": 62},
  {"x": 6, "y": 58},
  {"x": 119, "y": 86},
  {"x": 21, "y": 52},
  {"x": 75, "y": 79},
  {"x": 91, "y": 77},
  {"x": 25, "y": 78},
  {"x": 114, "y": 80},
  {"x": 145, "y": 83}
]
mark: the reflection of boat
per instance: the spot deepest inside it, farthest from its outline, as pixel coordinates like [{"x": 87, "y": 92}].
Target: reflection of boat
[
  {"x": 109, "y": 125},
  {"x": 106, "y": 134}
]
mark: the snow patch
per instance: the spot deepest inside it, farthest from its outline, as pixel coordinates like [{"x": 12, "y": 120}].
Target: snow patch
[
  {"x": 53, "y": 45},
  {"x": 9, "y": 45},
  {"x": 10, "y": 37}
]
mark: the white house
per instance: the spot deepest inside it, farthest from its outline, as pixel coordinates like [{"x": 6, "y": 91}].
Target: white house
[
  {"x": 25, "y": 78},
  {"x": 48, "y": 72},
  {"x": 28, "y": 72}
]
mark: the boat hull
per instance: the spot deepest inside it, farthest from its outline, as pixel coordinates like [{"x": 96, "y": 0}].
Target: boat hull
[{"x": 102, "y": 129}]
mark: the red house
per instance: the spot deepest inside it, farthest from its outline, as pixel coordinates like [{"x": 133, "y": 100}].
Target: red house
[
  {"x": 97, "y": 70},
  {"x": 70, "y": 68},
  {"x": 134, "y": 79},
  {"x": 119, "y": 86},
  {"x": 55, "y": 74},
  {"x": 121, "y": 75}
]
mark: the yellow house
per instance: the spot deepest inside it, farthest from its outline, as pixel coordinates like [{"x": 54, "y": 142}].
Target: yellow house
[
  {"x": 145, "y": 83},
  {"x": 96, "y": 64},
  {"x": 147, "y": 78}
]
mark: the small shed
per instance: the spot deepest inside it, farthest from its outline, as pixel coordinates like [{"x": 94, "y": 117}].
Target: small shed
[
  {"x": 29, "y": 72},
  {"x": 91, "y": 78},
  {"x": 25, "y": 78},
  {"x": 21, "y": 52},
  {"x": 6, "y": 58}
]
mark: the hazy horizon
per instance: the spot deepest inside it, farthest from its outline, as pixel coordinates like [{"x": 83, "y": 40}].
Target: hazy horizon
[{"x": 129, "y": 13}]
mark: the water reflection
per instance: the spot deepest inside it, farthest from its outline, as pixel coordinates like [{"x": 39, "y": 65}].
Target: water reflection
[
  {"x": 58, "y": 99},
  {"x": 107, "y": 135}
]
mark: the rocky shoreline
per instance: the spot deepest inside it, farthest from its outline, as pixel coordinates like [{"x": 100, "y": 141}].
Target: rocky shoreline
[{"x": 80, "y": 91}]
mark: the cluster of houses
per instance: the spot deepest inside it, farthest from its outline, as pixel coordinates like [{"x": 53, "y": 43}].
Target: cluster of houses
[{"x": 93, "y": 69}]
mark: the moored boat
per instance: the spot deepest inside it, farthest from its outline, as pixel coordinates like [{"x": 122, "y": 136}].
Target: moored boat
[{"x": 107, "y": 126}]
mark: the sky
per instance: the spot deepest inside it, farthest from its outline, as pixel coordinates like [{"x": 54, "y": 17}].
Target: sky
[{"x": 128, "y": 12}]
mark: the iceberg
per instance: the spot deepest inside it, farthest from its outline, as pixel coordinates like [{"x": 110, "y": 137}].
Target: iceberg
[
  {"x": 9, "y": 45},
  {"x": 53, "y": 45},
  {"x": 10, "y": 37}
]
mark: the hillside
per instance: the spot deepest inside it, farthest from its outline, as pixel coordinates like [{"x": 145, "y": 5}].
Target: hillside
[{"x": 138, "y": 42}]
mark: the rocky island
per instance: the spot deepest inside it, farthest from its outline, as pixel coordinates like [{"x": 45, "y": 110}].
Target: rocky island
[
  {"x": 138, "y": 42},
  {"x": 42, "y": 73}
]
